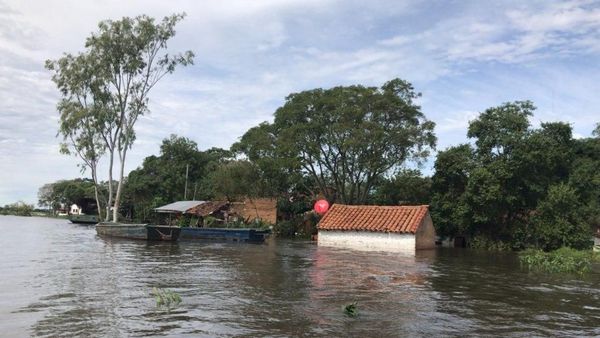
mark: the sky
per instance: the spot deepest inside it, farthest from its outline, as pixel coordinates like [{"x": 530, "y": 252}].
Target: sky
[{"x": 463, "y": 56}]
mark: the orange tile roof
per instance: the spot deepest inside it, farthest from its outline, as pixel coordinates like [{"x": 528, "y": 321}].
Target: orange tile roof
[{"x": 400, "y": 219}]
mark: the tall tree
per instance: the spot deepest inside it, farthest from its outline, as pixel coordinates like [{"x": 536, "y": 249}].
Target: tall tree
[
  {"x": 448, "y": 187},
  {"x": 127, "y": 59},
  {"x": 347, "y": 138},
  {"x": 81, "y": 103}
]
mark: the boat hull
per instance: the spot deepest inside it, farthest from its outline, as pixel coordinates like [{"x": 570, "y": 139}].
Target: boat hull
[
  {"x": 84, "y": 219},
  {"x": 221, "y": 234},
  {"x": 138, "y": 231}
]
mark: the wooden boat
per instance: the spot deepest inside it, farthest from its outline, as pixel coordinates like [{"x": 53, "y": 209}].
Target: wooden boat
[
  {"x": 217, "y": 209},
  {"x": 84, "y": 219},
  {"x": 224, "y": 234},
  {"x": 138, "y": 231}
]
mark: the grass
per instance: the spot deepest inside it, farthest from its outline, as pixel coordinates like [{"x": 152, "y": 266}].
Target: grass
[
  {"x": 166, "y": 298},
  {"x": 563, "y": 260}
]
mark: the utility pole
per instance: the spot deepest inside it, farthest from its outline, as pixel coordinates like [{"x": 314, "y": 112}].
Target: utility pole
[
  {"x": 194, "y": 191},
  {"x": 187, "y": 168}
]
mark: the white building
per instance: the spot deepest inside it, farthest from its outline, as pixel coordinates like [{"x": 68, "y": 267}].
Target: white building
[
  {"x": 369, "y": 227},
  {"x": 75, "y": 210}
]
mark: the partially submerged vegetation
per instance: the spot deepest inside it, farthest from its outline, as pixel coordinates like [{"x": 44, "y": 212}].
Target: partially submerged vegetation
[
  {"x": 166, "y": 298},
  {"x": 350, "y": 310},
  {"x": 563, "y": 260}
]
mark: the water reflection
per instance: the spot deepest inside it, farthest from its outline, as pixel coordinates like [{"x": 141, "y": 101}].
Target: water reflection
[{"x": 60, "y": 279}]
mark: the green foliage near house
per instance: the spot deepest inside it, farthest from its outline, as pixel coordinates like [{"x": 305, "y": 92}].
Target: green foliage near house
[
  {"x": 563, "y": 260},
  {"x": 559, "y": 220},
  {"x": 407, "y": 187},
  {"x": 235, "y": 180},
  {"x": 516, "y": 186}
]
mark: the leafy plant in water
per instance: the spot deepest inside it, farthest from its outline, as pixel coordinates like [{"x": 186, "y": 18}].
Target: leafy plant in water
[
  {"x": 350, "y": 310},
  {"x": 563, "y": 260},
  {"x": 166, "y": 298}
]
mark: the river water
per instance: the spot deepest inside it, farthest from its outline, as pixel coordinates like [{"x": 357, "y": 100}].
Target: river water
[{"x": 61, "y": 279}]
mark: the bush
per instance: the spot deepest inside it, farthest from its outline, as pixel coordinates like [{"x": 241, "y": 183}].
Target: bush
[
  {"x": 302, "y": 226},
  {"x": 482, "y": 242},
  {"x": 563, "y": 260},
  {"x": 559, "y": 220},
  {"x": 285, "y": 228}
]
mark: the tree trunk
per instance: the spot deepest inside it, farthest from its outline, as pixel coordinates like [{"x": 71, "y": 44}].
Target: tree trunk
[
  {"x": 119, "y": 187},
  {"x": 95, "y": 178},
  {"x": 110, "y": 184}
]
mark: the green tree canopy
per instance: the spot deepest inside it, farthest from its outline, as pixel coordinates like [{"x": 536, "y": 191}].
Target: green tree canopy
[
  {"x": 560, "y": 221},
  {"x": 161, "y": 179},
  {"x": 492, "y": 190},
  {"x": 105, "y": 89},
  {"x": 64, "y": 193},
  {"x": 407, "y": 187},
  {"x": 236, "y": 180},
  {"x": 345, "y": 138}
]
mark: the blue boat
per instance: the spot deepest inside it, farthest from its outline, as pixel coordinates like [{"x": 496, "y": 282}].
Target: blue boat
[
  {"x": 224, "y": 234},
  {"x": 201, "y": 209}
]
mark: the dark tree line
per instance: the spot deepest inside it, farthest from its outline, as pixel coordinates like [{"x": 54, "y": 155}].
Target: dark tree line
[
  {"x": 512, "y": 187},
  {"x": 517, "y": 186}
]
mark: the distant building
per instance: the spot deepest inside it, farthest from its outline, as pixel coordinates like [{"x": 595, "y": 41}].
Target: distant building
[
  {"x": 75, "y": 210},
  {"x": 368, "y": 227}
]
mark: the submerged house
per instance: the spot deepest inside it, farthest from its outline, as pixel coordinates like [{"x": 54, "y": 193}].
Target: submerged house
[{"x": 370, "y": 227}]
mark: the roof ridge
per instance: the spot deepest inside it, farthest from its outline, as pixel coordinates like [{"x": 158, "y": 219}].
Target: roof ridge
[{"x": 376, "y": 218}]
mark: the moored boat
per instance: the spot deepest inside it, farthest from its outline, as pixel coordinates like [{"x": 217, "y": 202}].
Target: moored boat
[
  {"x": 84, "y": 219},
  {"x": 224, "y": 234},
  {"x": 138, "y": 231}
]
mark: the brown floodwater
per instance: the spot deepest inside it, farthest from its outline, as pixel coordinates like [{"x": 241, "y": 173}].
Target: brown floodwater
[{"x": 61, "y": 279}]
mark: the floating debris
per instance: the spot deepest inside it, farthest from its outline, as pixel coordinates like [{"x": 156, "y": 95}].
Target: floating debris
[{"x": 350, "y": 310}]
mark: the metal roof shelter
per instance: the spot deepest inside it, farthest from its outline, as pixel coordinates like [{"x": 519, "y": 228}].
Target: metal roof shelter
[{"x": 179, "y": 206}]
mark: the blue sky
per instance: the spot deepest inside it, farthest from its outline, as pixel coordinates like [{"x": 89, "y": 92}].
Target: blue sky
[{"x": 463, "y": 56}]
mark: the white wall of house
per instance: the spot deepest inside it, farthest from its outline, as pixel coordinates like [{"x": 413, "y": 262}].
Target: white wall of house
[{"x": 369, "y": 241}]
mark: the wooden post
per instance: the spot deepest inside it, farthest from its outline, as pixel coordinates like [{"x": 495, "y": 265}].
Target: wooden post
[{"x": 187, "y": 167}]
